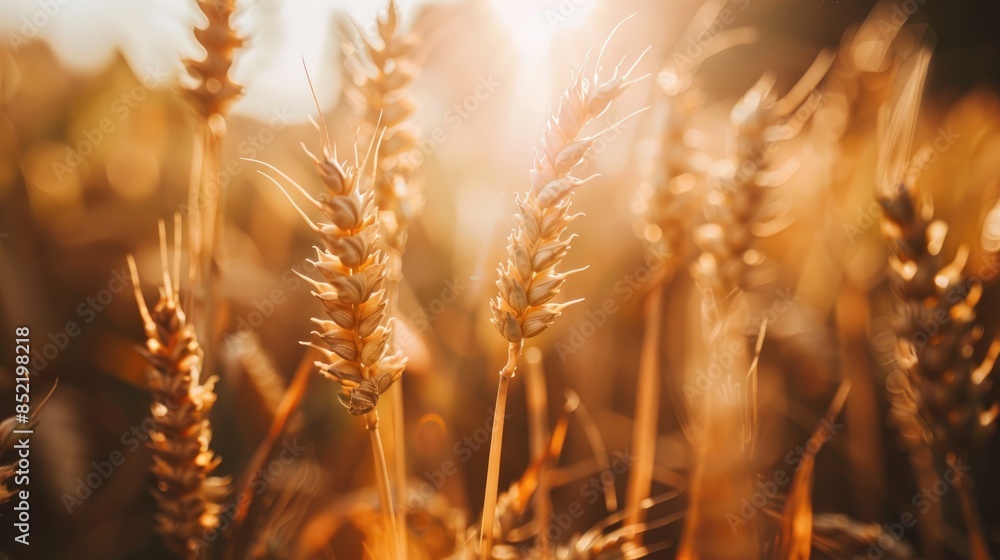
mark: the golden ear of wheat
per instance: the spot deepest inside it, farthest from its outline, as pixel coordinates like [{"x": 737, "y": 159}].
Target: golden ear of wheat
[
  {"x": 215, "y": 91},
  {"x": 952, "y": 392},
  {"x": 188, "y": 498},
  {"x": 528, "y": 280},
  {"x": 382, "y": 77},
  {"x": 355, "y": 336}
]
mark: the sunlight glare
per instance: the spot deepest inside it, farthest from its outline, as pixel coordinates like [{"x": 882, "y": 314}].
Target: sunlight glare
[{"x": 533, "y": 23}]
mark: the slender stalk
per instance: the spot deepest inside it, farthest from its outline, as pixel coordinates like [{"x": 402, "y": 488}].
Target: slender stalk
[
  {"x": 538, "y": 416},
  {"x": 211, "y": 223},
  {"x": 496, "y": 443},
  {"x": 399, "y": 452},
  {"x": 393, "y": 280},
  {"x": 646, "y": 408},
  {"x": 978, "y": 549},
  {"x": 382, "y": 478}
]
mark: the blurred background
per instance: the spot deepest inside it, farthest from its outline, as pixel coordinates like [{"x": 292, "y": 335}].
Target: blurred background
[{"x": 95, "y": 147}]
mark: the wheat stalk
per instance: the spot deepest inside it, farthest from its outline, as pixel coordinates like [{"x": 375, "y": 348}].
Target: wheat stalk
[
  {"x": 528, "y": 281},
  {"x": 738, "y": 214},
  {"x": 355, "y": 337},
  {"x": 212, "y": 93},
  {"x": 382, "y": 78},
  {"x": 188, "y": 498}
]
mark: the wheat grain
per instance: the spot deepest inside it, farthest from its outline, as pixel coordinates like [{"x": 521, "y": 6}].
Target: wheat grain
[{"x": 187, "y": 497}]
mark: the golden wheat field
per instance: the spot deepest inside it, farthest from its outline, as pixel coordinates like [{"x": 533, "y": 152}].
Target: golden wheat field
[{"x": 474, "y": 279}]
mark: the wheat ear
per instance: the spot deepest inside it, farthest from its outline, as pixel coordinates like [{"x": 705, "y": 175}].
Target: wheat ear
[
  {"x": 529, "y": 280},
  {"x": 355, "y": 337},
  {"x": 214, "y": 91},
  {"x": 382, "y": 78},
  {"x": 188, "y": 498}
]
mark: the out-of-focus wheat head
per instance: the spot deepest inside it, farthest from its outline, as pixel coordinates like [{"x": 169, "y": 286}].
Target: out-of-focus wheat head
[
  {"x": 951, "y": 391},
  {"x": 214, "y": 90},
  {"x": 669, "y": 198},
  {"x": 936, "y": 313},
  {"x": 381, "y": 77},
  {"x": 356, "y": 335},
  {"x": 188, "y": 498},
  {"x": 739, "y": 208},
  {"x": 529, "y": 280}
]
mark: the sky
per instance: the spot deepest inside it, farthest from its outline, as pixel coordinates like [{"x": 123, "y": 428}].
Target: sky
[{"x": 156, "y": 34}]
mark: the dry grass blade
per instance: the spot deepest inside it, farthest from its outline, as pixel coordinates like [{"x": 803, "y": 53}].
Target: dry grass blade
[
  {"x": 795, "y": 541},
  {"x": 529, "y": 280},
  {"x": 187, "y": 496}
]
